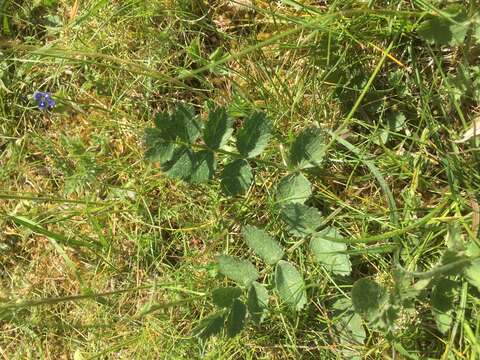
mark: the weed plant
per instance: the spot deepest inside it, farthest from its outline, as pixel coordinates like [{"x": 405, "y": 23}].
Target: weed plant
[{"x": 236, "y": 179}]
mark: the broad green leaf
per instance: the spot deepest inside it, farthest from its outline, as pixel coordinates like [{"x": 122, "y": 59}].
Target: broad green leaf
[
  {"x": 223, "y": 297},
  {"x": 290, "y": 285},
  {"x": 326, "y": 252},
  {"x": 152, "y": 136},
  {"x": 472, "y": 271},
  {"x": 257, "y": 302},
  {"x": 236, "y": 318},
  {"x": 293, "y": 188},
  {"x": 302, "y": 220},
  {"x": 204, "y": 166},
  {"x": 307, "y": 150},
  {"x": 384, "y": 320},
  {"x": 241, "y": 271},
  {"x": 371, "y": 301},
  {"x": 453, "y": 262},
  {"x": 368, "y": 298},
  {"x": 236, "y": 177},
  {"x": 161, "y": 152},
  {"x": 348, "y": 324},
  {"x": 210, "y": 326},
  {"x": 180, "y": 166},
  {"x": 165, "y": 126},
  {"x": 441, "y": 30},
  {"x": 187, "y": 126},
  {"x": 158, "y": 150},
  {"x": 262, "y": 244},
  {"x": 182, "y": 124},
  {"x": 444, "y": 294},
  {"x": 396, "y": 121},
  {"x": 218, "y": 128},
  {"x": 253, "y": 137}
]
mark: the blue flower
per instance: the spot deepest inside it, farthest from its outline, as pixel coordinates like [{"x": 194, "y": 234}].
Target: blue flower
[{"x": 44, "y": 100}]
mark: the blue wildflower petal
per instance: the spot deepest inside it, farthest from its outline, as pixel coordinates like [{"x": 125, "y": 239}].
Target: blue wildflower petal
[
  {"x": 51, "y": 102},
  {"x": 42, "y": 105},
  {"x": 38, "y": 96}
]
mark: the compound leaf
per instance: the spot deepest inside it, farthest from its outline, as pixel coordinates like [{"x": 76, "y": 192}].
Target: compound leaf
[
  {"x": 262, "y": 244},
  {"x": 236, "y": 177},
  {"x": 290, "y": 286},
  {"x": 253, "y": 137},
  {"x": 328, "y": 252},
  {"x": 301, "y": 220},
  {"x": 241, "y": 271}
]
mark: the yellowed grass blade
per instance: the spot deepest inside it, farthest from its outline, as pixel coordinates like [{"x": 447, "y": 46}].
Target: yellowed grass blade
[{"x": 472, "y": 131}]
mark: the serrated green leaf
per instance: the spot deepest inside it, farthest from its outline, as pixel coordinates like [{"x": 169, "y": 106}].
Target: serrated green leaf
[
  {"x": 293, "y": 188},
  {"x": 348, "y": 324},
  {"x": 210, "y": 326},
  {"x": 301, "y": 220},
  {"x": 218, "y": 128},
  {"x": 307, "y": 150},
  {"x": 262, "y": 244},
  {"x": 204, "y": 165},
  {"x": 152, "y": 136},
  {"x": 236, "y": 318},
  {"x": 180, "y": 166},
  {"x": 187, "y": 126},
  {"x": 182, "y": 124},
  {"x": 165, "y": 126},
  {"x": 257, "y": 302},
  {"x": 444, "y": 294},
  {"x": 161, "y": 152},
  {"x": 326, "y": 252},
  {"x": 441, "y": 30},
  {"x": 236, "y": 177},
  {"x": 253, "y": 137},
  {"x": 158, "y": 150},
  {"x": 290, "y": 286},
  {"x": 223, "y": 297},
  {"x": 455, "y": 261},
  {"x": 241, "y": 271},
  {"x": 368, "y": 298}
]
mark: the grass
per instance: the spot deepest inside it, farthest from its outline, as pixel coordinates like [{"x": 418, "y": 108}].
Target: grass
[{"x": 103, "y": 256}]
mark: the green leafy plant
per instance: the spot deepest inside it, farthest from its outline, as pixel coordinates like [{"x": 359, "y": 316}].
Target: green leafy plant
[{"x": 189, "y": 150}]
